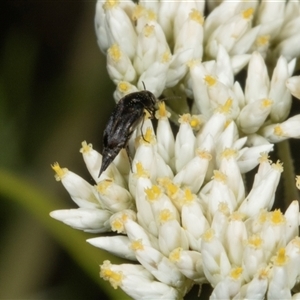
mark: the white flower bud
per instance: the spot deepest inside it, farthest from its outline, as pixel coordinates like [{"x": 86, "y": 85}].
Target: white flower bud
[
  {"x": 278, "y": 285},
  {"x": 185, "y": 143},
  {"x": 86, "y": 219},
  {"x": 216, "y": 264},
  {"x": 118, "y": 245},
  {"x": 256, "y": 288},
  {"x": 158, "y": 265},
  {"x": 292, "y": 221},
  {"x": 189, "y": 264},
  {"x": 293, "y": 84},
  {"x": 257, "y": 83},
  {"x": 279, "y": 132},
  {"x": 279, "y": 94},
  {"x": 114, "y": 197},
  {"x": 254, "y": 114},
  {"x": 136, "y": 281},
  {"x": 119, "y": 66},
  {"x": 81, "y": 191},
  {"x": 171, "y": 235},
  {"x": 120, "y": 27}
]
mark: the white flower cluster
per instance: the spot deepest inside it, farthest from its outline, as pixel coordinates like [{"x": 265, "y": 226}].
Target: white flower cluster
[{"x": 182, "y": 210}]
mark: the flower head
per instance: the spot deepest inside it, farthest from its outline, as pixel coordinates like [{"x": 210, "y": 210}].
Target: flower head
[{"x": 182, "y": 210}]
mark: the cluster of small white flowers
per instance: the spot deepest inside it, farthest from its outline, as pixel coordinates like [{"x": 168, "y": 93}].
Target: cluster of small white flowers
[{"x": 182, "y": 210}]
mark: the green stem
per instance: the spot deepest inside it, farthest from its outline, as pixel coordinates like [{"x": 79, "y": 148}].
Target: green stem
[{"x": 290, "y": 190}]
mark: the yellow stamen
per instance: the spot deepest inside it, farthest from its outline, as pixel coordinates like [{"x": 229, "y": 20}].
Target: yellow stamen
[
  {"x": 148, "y": 137},
  {"x": 208, "y": 235},
  {"x": 248, "y": 13},
  {"x": 210, "y": 80},
  {"x": 85, "y": 148},
  {"x": 137, "y": 245},
  {"x": 153, "y": 193},
  {"x": 166, "y": 57},
  {"x": 140, "y": 171},
  {"x": 115, "y": 278},
  {"x": 195, "y": 122},
  {"x": 264, "y": 157},
  {"x": 148, "y": 30},
  {"x": 276, "y": 217},
  {"x": 203, "y": 154},
  {"x": 229, "y": 153},
  {"x": 60, "y": 172},
  {"x": 138, "y": 12},
  {"x": 223, "y": 207},
  {"x": 236, "y": 273},
  {"x": 265, "y": 103},
  {"x": 237, "y": 216},
  {"x": 175, "y": 255},
  {"x": 188, "y": 196},
  {"x": 255, "y": 241},
  {"x": 115, "y": 52},
  {"x": 219, "y": 176},
  {"x": 262, "y": 40},
  {"x": 281, "y": 258},
  {"x": 278, "y": 131},
  {"x": 162, "y": 112},
  {"x": 226, "y": 108},
  {"x": 102, "y": 186},
  {"x": 196, "y": 16},
  {"x": 123, "y": 87},
  {"x": 185, "y": 118},
  {"x": 165, "y": 215},
  {"x": 109, "y": 4},
  {"x": 278, "y": 166}
]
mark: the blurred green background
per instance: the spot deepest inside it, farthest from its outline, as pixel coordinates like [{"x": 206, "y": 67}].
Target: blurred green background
[{"x": 54, "y": 93}]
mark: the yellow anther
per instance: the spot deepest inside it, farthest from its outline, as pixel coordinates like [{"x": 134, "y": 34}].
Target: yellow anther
[
  {"x": 229, "y": 153},
  {"x": 153, "y": 193},
  {"x": 266, "y": 103},
  {"x": 208, "y": 235},
  {"x": 138, "y": 12},
  {"x": 236, "y": 273},
  {"x": 210, "y": 80},
  {"x": 102, "y": 186},
  {"x": 276, "y": 217},
  {"x": 188, "y": 196},
  {"x": 140, "y": 171},
  {"x": 195, "y": 122},
  {"x": 237, "y": 216},
  {"x": 60, "y": 172},
  {"x": 137, "y": 245},
  {"x": 196, "y": 16},
  {"x": 278, "y": 131},
  {"x": 203, "y": 154},
  {"x": 219, "y": 176},
  {"x": 148, "y": 30},
  {"x": 165, "y": 215},
  {"x": 264, "y": 157},
  {"x": 281, "y": 258},
  {"x": 162, "y": 112},
  {"x": 255, "y": 241},
  {"x": 278, "y": 166},
  {"x": 248, "y": 13},
  {"x": 175, "y": 254},
  {"x": 166, "y": 56},
  {"x": 223, "y": 207},
  {"x": 123, "y": 87},
  {"x": 185, "y": 118},
  {"x": 85, "y": 148},
  {"x": 109, "y": 4},
  {"x": 106, "y": 272},
  {"x": 226, "y": 108},
  {"x": 262, "y": 40},
  {"x": 115, "y": 52}
]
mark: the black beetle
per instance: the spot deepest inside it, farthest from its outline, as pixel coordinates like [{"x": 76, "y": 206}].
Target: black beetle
[{"x": 126, "y": 116}]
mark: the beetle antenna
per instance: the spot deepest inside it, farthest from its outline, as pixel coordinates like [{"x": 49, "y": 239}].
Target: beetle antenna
[{"x": 144, "y": 85}]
